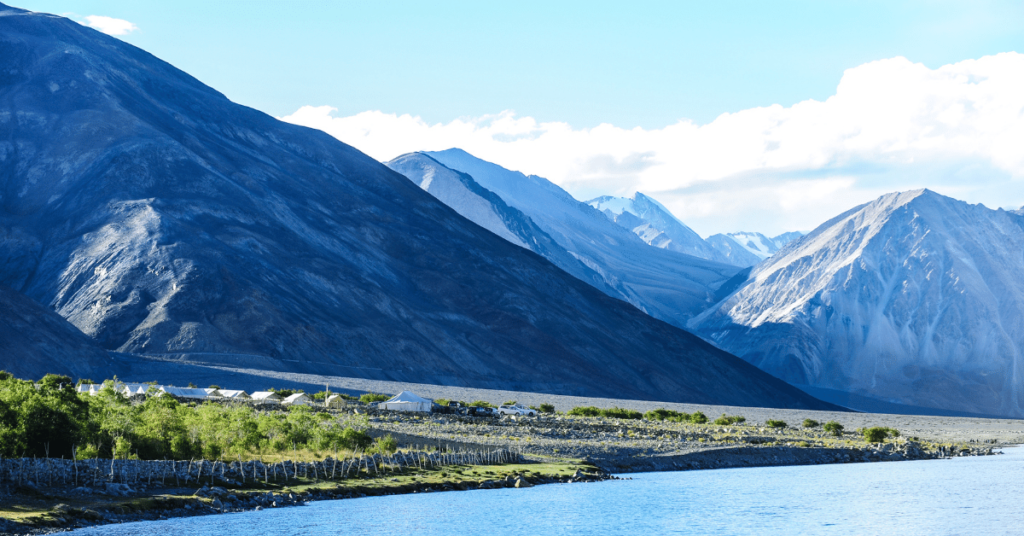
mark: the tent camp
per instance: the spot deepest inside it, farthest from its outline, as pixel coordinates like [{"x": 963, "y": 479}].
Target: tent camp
[{"x": 406, "y": 401}]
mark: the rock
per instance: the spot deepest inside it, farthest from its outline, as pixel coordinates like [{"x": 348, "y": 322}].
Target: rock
[{"x": 523, "y": 483}]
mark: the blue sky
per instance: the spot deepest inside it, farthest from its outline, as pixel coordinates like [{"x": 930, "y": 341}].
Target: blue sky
[
  {"x": 631, "y": 64},
  {"x": 827, "y": 104}
]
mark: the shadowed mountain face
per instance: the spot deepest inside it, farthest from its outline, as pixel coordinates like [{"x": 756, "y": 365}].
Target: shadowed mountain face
[
  {"x": 34, "y": 341},
  {"x": 914, "y": 298},
  {"x": 160, "y": 218}
]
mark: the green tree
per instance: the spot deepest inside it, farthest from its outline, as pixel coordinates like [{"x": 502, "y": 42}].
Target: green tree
[
  {"x": 368, "y": 398},
  {"x": 875, "y": 434},
  {"x": 834, "y": 428}
]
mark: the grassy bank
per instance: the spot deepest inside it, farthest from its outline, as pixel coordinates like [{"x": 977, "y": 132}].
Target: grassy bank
[{"x": 37, "y": 509}]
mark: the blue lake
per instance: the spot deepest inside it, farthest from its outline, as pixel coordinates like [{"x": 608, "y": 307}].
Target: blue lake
[{"x": 961, "y": 496}]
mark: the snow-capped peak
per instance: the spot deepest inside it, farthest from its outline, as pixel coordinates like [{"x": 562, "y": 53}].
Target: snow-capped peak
[{"x": 655, "y": 224}]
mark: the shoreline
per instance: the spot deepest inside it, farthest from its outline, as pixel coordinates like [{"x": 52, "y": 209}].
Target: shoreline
[{"x": 213, "y": 500}]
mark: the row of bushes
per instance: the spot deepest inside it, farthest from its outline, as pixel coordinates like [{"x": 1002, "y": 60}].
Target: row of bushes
[
  {"x": 617, "y": 413},
  {"x": 676, "y": 416},
  {"x": 53, "y": 420}
]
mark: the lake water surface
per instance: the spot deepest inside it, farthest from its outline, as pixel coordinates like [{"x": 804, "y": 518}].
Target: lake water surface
[{"x": 983, "y": 495}]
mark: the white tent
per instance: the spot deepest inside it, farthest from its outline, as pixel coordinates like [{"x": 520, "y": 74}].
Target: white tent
[
  {"x": 297, "y": 399},
  {"x": 234, "y": 394},
  {"x": 266, "y": 397},
  {"x": 406, "y": 401},
  {"x": 335, "y": 402}
]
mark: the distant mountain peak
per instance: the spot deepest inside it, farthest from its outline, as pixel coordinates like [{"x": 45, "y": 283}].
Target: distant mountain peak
[
  {"x": 655, "y": 224},
  {"x": 750, "y": 248}
]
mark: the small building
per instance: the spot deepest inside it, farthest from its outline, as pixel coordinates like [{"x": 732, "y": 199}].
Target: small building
[
  {"x": 406, "y": 401},
  {"x": 265, "y": 397},
  {"x": 212, "y": 392},
  {"x": 298, "y": 399},
  {"x": 335, "y": 402}
]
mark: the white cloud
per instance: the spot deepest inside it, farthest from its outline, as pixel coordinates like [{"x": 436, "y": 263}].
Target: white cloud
[
  {"x": 109, "y": 25},
  {"x": 892, "y": 125}
]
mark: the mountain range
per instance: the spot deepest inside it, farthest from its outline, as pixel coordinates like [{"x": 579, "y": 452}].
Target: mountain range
[{"x": 160, "y": 219}]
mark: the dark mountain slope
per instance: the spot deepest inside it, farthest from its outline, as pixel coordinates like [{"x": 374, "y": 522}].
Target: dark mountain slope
[
  {"x": 34, "y": 341},
  {"x": 160, "y": 218}
]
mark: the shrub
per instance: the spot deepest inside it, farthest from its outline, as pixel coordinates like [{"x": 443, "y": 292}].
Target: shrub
[
  {"x": 875, "y": 434},
  {"x": 663, "y": 414},
  {"x": 811, "y": 423},
  {"x": 547, "y": 408},
  {"x": 441, "y": 401},
  {"x": 87, "y": 452},
  {"x": 383, "y": 445},
  {"x": 621, "y": 413},
  {"x": 776, "y": 424},
  {"x": 585, "y": 411},
  {"x": 834, "y": 428},
  {"x": 893, "y": 432},
  {"x": 367, "y": 398},
  {"x": 481, "y": 404},
  {"x": 510, "y": 403},
  {"x": 729, "y": 419},
  {"x": 698, "y": 417}
]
